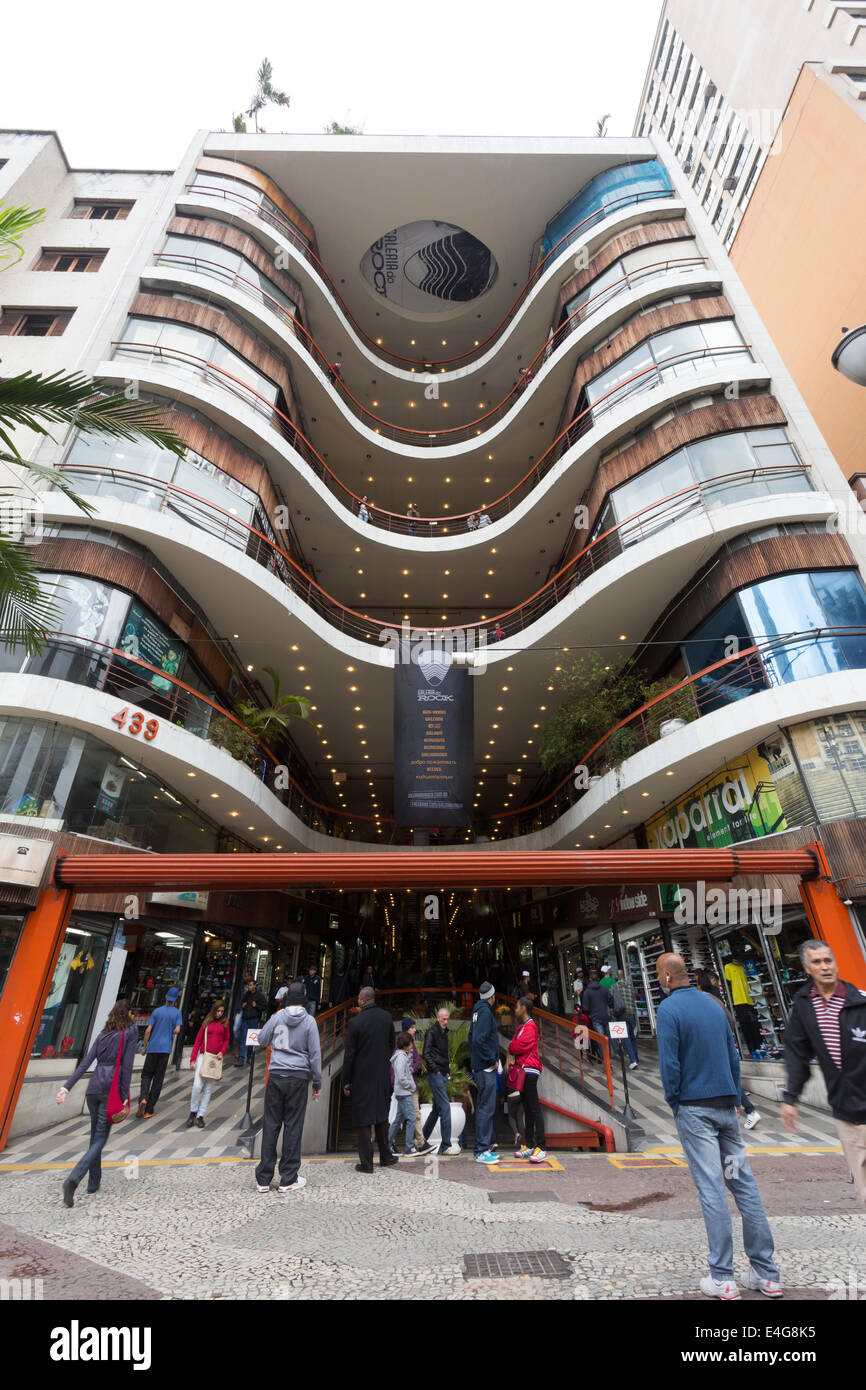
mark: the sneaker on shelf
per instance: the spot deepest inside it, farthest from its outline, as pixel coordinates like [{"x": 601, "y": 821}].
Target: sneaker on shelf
[
  {"x": 770, "y": 1287},
  {"x": 293, "y": 1186},
  {"x": 538, "y": 1155},
  {"x": 487, "y": 1157},
  {"x": 523, "y": 1153},
  {"x": 260, "y": 1187},
  {"x": 717, "y": 1288},
  {"x": 751, "y": 1119}
]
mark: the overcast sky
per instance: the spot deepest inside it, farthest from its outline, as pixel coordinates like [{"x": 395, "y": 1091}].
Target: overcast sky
[{"x": 127, "y": 84}]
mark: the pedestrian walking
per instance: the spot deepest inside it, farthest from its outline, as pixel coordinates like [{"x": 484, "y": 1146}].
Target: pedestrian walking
[
  {"x": 700, "y": 1072},
  {"x": 413, "y": 516},
  {"x": 437, "y": 1060},
  {"x": 625, "y": 1011},
  {"x": 370, "y": 1041},
  {"x": 410, "y": 1026},
  {"x": 578, "y": 988},
  {"x": 296, "y": 1060},
  {"x": 828, "y": 1021},
  {"x": 113, "y": 1051},
  {"x": 159, "y": 1036},
  {"x": 404, "y": 1091},
  {"x": 708, "y": 983},
  {"x": 313, "y": 987},
  {"x": 363, "y": 510},
  {"x": 253, "y": 1006},
  {"x": 366, "y": 981},
  {"x": 596, "y": 1001},
  {"x": 236, "y": 1015},
  {"x": 484, "y": 1061},
  {"x": 209, "y": 1049},
  {"x": 523, "y": 1048}
]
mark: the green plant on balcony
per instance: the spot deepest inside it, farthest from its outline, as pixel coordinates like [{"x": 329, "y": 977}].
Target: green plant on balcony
[{"x": 458, "y": 1058}]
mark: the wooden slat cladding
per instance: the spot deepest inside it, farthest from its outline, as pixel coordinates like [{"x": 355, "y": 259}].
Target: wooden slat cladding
[
  {"x": 647, "y": 234},
  {"x": 653, "y": 321},
  {"x": 133, "y": 574},
  {"x": 226, "y": 454},
  {"x": 722, "y": 417},
  {"x": 224, "y": 235},
  {"x": 211, "y": 320},
  {"x": 230, "y": 168},
  {"x": 728, "y": 571}
]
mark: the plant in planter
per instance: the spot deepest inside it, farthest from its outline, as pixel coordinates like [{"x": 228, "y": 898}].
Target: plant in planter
[{"x": 259, "y": 724}]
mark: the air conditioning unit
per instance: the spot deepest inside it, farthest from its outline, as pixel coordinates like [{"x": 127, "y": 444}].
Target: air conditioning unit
[{"x": 730, "y": 184}]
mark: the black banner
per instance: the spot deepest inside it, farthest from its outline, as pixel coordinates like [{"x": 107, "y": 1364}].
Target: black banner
[{"x": 433, "y": 726}]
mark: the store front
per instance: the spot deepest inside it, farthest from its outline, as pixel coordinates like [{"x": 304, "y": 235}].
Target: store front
[
  {"x": 159, "y": 954},
  {"x": 759, "y": 966},
  {"x": 216, "y": 974},
  {"x": 65, "y": 1022},
  {"x": 641, "y": 944},
  {"x": 259, "y": 962}
]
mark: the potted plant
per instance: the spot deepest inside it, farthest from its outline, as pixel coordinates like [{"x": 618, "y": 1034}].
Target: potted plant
[
  {"x": 458, "y": 1080},
  {"x": 503, "y": 1015}
]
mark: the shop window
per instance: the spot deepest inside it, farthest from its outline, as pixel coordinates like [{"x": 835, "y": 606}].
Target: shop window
[
  {"x": 158, "y": 960},
  {"x": 11, "y": 927},
  {"x": 65, "y": 1022}
]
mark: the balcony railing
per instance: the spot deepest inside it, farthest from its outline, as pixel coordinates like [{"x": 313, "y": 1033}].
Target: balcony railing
[
  {"x": 167, "y": 497},
  {"x": 253, "y": 208},
  {"x": 454, "y": 434},
  {"x": 433, "y": 527}
]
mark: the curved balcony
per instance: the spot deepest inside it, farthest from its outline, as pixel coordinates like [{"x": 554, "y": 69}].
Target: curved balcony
[
  {"x": 473, "y": 430},
  {"x": 160, "y": 698},
  {"x": 700, "y": 499},
  {"x": 756, "y": 672},
  {"x": 231, "y": 199},
  {"x": 681, "y": 366}
]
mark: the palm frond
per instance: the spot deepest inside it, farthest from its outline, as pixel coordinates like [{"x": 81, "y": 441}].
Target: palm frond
[
  {"x": 37, "y": 472},
  {"x": 33, "y": 401},
  {"x": 26, "y": 614},
  {"x": 13, "y": 223}
]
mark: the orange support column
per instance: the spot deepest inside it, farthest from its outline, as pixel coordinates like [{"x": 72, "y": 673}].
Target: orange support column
[
  {"x": 828, "y": 917},
  {"x": 25, "y": 992}
]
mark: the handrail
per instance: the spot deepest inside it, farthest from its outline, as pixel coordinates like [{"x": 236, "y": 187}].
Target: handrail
[
  {"x": 598, "y": 758},
  {"x": 453, "y": 433},
  {"x": 597, "y": 553},
  {"x": 395, "y": 521},
  {"x": 603, "y": 1131},
  {"x": 286, "y": 229}
]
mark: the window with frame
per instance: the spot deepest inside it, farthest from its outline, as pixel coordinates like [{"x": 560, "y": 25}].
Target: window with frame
[
  {"x": 33, "y": 323},
  {"x": 720, "y": 216},
  {"x": 68, "y": 259},
  {"x": 750, "y": 182},
  {"x": 700, "y": 176},
  {"x": 102, "y": 209}
]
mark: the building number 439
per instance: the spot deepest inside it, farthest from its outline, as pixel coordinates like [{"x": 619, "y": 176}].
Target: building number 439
[{"x": 136, "y": 723}]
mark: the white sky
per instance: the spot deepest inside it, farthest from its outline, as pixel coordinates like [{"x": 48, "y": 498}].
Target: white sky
[{"x": 128, "y": 84}]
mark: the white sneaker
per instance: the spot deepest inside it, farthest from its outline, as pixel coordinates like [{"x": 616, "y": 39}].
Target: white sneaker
[
  {"x": 771, "y": 1287},
  {"x": 715, "y": 1288},
  {"x": 726, "y": 1289},
  {"x": 751, "y": 1119},
  {"x": 260, "y": 1187},
  {"x": 454, "y": 1151},
  {"x": 632, "y": 1066},
  {"x": 293, "y": 1186}
]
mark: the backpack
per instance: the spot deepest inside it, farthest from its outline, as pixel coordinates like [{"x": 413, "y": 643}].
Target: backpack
[{"x": 617, "y": 1000}]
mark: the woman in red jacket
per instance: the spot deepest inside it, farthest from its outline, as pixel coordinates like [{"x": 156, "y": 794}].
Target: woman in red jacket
[
  {"x": 524, "y": 1049},
  {"x": 213, "y": 1037}
]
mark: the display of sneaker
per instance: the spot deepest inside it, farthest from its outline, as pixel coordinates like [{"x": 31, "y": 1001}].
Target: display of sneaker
[
  {"x": 487, "y": 1157},
  {"x": 716, "y": 1288},
  {"x": 523, "y": 1153},
  {"x": 293, "y": 1186},
  {"x": 538, "y": 1155},
  {"x": 751, "y": 1119},
  {"x": 770, "y": 1287}
]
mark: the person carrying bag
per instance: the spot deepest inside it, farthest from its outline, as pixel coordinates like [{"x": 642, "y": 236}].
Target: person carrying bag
[
  {"x": 107, "y": 1092},
  {"x": 211, "y": 1046}
]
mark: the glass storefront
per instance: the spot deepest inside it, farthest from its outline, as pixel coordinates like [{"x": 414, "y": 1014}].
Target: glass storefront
[
  {"x": 259, "y": 961},
  {"x": 63, "y": 1027},
  {"x": 11, "y": 927},
  {"x": 773, "y": 975},
  {"x": 599, "y": 950},
  {"x": 159, "y": 956},
  {"x": 215, "y": 976}
]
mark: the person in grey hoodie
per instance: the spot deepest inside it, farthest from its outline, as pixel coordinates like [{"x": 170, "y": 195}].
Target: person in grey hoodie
[
  {"x": 404, "y": 1094},
  {"x": 296, "y": 1059}
]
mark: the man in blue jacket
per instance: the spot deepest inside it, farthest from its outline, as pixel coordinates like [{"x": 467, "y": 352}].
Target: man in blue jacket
[
  {"x": 484, "y": 1060},
  {"x": 700, "y": 1071}
]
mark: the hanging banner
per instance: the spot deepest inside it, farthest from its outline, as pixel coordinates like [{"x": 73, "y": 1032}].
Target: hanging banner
[
  {"x": 433, "y": 749},
  {"x": 145, "y": 639}
]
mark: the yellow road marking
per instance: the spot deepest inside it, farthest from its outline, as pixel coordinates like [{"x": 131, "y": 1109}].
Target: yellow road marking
[
  {"x": 779, "y": 1149},
  {"x": 523, "y": 1165}
]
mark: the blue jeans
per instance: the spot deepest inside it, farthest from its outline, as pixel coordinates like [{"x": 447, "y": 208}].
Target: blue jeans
[
  {"x": 441, "y": 1110},
  {"x": 485, "y": 1110},
  {"x": 246, "y": 1025},
  {"x": 405, "y": 1116},
  {"x": 99, "y": 1131},
  {"x": 716, "y": 1155}
]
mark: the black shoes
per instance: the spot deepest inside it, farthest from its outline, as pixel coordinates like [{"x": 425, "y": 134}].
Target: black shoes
[
  {"x": 388, "y": 1162},
  {"x": 69, "y": 1193},
  {"x": 200, "y": 1122},
  {"x": 359, "y": 1168},
  {"x": 191, "y": 1121}
]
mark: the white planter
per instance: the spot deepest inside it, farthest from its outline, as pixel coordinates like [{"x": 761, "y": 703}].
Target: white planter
[
  {"x": 670, "y": 726},
  {"x": 458, "y": 1120}
]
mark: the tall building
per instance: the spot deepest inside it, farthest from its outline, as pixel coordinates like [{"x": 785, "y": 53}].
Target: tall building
[
  {"x": 763, "y": 107},
  {"x": 509, "y": 393}
]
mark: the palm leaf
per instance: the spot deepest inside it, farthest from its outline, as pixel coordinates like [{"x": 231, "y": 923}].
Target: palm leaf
[
  {"x": 26, "y": 614},
  {"x": 33, "y": 401},
  {"x": 13, "y": 223}
]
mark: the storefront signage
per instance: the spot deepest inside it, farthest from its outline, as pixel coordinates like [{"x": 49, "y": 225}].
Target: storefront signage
[
  {"x": 629, "y": 901},
  {"x": 433, "y": 749},
  {"x": 191, "y": 899},
  {"x": 23, "y": 861}
]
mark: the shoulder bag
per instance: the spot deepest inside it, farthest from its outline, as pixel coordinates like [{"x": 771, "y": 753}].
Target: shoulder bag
[
  {"x": 117, "y": 1109},
  {"x": 211, "y": 1063}
]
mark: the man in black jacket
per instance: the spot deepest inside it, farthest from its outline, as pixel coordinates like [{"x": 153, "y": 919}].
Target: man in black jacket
[
  {"x": 370, "y": 1039},
  {"x": 596, "y": 1002},
  {"x": 437, "y": 1060},
  {"x": 253, "y": 1008},
  {"x": 828, "y": 1021}
]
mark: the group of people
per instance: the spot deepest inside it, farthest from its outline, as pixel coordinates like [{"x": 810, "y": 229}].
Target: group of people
[
  {"x": 476, "y": 521},
  {"x": 598, "y": 1001}
]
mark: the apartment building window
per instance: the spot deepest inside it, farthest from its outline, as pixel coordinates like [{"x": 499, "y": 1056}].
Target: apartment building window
[
  {"x": 101, "y": 210},
  {"x": 719, "y": 218},
  {"x": 686, "y": 75},
  {"x": 661, "y": 48},
  {"x": 664, "y": 117},
  {"x": 709, "y": 98},
  {"x": 677, "y": 67},
  {"x": 731, "y": 232},
  {"x": 689, "y": 157},
  {"x": 667, "y": 67},
  {"x": 740, "y": 158},
  {"x": 33, "y": 323},
  {"x": 700, "y": 176},
  {"x": 726, "y": 143},
  {"x": 709, "y": 196},
  {"x": 69, "y": 260},
  {"x": 672, "y": 127},
  {"x": 644, "y": 120},
  {"x": 750, "y": 182}
]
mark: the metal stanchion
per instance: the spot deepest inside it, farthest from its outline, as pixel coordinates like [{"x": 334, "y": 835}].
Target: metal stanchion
[{"x": 249, "y": 1127}]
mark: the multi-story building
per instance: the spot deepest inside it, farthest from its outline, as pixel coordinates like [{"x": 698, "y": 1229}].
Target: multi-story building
[
  {"x": 548, "y": 421},
  {"x": 763, "y": 107}
]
